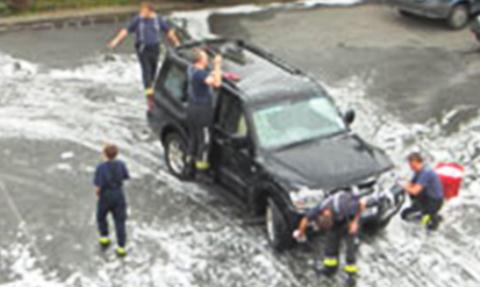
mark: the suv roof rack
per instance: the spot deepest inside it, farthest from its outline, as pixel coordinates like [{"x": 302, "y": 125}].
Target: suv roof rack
[{"x": 209, "y": 46}]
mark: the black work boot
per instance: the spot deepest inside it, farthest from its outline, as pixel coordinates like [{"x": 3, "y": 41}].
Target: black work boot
[
  {"x": 351, "y": 280},
  {"x": 351, "y": 271},
  {"x": 327, "y": 268},
  {"x": 326, "y": 271},
  {"x": 434, "y": 223},
  {"x": 410, "y": 214}
]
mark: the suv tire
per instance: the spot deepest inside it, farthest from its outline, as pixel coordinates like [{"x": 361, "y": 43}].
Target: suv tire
[
  {"x": 405, "y": 13},
  {"x": 278, "y": 229},
  {"x": 459, "y": 16},
  {"x": 176, "y": 155}
]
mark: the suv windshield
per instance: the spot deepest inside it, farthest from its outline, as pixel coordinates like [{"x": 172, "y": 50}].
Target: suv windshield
[{"x": 290, "y": 122}]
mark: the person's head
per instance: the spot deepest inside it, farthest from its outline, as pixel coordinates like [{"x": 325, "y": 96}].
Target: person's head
[
  {"x": 201, "y": 59},
  {"x": 146, "y": 9},
  {"x": 325, "y": 219},
  {"x": 415, "y": 160},
  {"x": 110, "y": 151}
]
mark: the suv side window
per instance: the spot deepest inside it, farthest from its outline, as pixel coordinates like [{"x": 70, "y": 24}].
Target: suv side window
[
  {"x": 231, "y": 118},
  {"x": 176, "y": 82}
]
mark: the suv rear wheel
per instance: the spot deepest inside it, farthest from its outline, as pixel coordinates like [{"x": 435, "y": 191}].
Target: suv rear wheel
[
  {"x": 459, "y": 16},
  {"x": 176, "y": 155},
  {"x": 279, "y": 232}
]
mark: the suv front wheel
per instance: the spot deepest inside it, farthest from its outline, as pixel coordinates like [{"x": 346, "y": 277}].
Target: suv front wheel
[
  {"x": 279, "y": 232},
  {"x": 176, "y": 155}
]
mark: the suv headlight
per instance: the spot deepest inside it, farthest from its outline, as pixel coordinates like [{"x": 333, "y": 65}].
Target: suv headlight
[
  {"x": 306, "y": 198},
  {"x": 385, "y": 182}
]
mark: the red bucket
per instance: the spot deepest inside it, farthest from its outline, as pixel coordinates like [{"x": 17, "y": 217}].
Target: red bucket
[{"x": 451, "y": 176}]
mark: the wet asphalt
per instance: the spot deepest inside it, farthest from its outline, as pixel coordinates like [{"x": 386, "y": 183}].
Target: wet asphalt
[{"x": 413, "y": 85}]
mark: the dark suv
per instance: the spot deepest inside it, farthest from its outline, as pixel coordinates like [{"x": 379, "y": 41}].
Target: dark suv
[{"x": 278, "y": 141}]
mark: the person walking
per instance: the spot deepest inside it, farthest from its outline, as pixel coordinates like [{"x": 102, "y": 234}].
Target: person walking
[
  {"x": 147, "y": 26},
  {"x": 108, "y": 181}
]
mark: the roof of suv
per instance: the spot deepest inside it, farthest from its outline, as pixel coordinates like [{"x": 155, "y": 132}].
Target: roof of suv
[{"x": 261, "y": 77}]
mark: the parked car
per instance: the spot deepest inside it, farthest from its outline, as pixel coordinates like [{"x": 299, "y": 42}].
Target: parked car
[
  {"x": 457, "y": 13},
  {"x": 475, "y": 28},
  {"x": 279, "y": 143}
]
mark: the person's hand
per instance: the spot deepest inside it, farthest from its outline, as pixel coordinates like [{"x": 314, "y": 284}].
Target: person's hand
[
  {"x": 97, "y": 192},
  {"x": 217, "y": 61},
  {"x": 353, "y": 228},
  {"x": 299, "y": 236},
  {"x": 112, "y": 45}
]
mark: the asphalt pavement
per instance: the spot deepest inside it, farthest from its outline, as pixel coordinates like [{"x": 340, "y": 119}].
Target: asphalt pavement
[{"x": 412, "y": 82}]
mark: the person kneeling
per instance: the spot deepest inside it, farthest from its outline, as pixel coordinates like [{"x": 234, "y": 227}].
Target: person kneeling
[{"x": 426, "y": 193}]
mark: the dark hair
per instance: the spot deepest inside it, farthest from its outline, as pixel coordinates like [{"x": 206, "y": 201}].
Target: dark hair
[
  {"x": 110, "y": 151},
  {"x": 415, "y": 156},
  {"x": 325, "y": 221}
]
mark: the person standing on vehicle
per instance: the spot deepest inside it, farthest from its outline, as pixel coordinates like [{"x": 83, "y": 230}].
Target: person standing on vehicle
[
  {"x": 426, "y": 193},
  {"x": 109, "y": 178},
  {"x": 201, "y": 81},
  {"x": 147, "y": 27},
  {"x": 339, "y": 215}
]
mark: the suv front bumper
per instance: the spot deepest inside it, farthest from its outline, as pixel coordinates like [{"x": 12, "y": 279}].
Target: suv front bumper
[{"x": 436, "y": 9}]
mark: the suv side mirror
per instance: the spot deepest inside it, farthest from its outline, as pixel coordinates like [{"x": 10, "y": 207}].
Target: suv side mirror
[{"x": 349, "y": 117}]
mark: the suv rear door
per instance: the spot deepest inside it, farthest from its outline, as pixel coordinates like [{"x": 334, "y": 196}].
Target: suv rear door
[{"x": 232, "y": 144}]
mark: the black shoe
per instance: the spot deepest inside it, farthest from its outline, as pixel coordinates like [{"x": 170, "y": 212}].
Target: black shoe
[
  {"x": 434, "y": 223},
  {"x": 411, "y": 214},
  {"x": 104, "y": 243},
  {"x": 204, "y": 177},
  {"x": 325, "y": 271},
  {"x": 351, "y": 280}
]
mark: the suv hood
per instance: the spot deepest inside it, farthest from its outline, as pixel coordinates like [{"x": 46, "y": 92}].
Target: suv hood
[{"x": 328, "y": 163}]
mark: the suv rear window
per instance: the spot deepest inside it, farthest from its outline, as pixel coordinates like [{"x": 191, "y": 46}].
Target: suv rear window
[{"x": 176, "y": 82}]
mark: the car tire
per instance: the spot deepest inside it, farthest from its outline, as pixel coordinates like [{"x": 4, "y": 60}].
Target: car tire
[
  {"x": 405, "y": 13},
  {"x": 176, "y": 155},
  {"x": 459, "y": 16},
  {"x": 279, "y": 232}
]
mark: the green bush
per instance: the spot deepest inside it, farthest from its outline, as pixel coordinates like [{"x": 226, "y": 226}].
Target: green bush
[{"x": 4, "y": 10}]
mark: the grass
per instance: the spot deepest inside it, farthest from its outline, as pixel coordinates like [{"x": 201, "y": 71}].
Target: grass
[
  {"x": 9, "y": 7},
  {"x": 45, "y": 5}
]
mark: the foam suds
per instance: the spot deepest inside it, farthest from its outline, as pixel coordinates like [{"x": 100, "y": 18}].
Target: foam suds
[{"x": 190, "y": 236}]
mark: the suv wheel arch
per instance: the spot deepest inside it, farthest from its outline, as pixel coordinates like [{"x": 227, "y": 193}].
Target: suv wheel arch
[
  {"x": 264, "y": 201},
  {"x": 175, "y": 147},
  {"x": 278, "y": 226}
]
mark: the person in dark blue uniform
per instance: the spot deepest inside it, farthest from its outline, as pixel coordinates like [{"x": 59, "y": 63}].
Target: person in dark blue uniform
[
  {"x": 426, "y": 193},
  {"x": 201, "y": 81},
  {"x": 338, "y": 215},
  {"x": 109, "y": 178},
  {"x": 147, "y": 27}
]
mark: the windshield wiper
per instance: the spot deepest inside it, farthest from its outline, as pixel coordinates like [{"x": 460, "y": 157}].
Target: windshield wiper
[{"x": 307, "y": 141}]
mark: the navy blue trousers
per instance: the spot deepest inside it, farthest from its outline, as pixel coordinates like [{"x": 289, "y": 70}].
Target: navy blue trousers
[
  {"x": 112, "y": 202},
  {"x": 148, "y": 58}
]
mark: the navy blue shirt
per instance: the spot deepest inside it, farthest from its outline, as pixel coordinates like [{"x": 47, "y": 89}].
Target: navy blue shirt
[
  {"x": 343, "y": 205},
  {"x": 147, "y": 30},
  {"x": 199, "y": 91},
  {"x": 110, "y": 175},
  {"x": 430, "y": 182}
]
